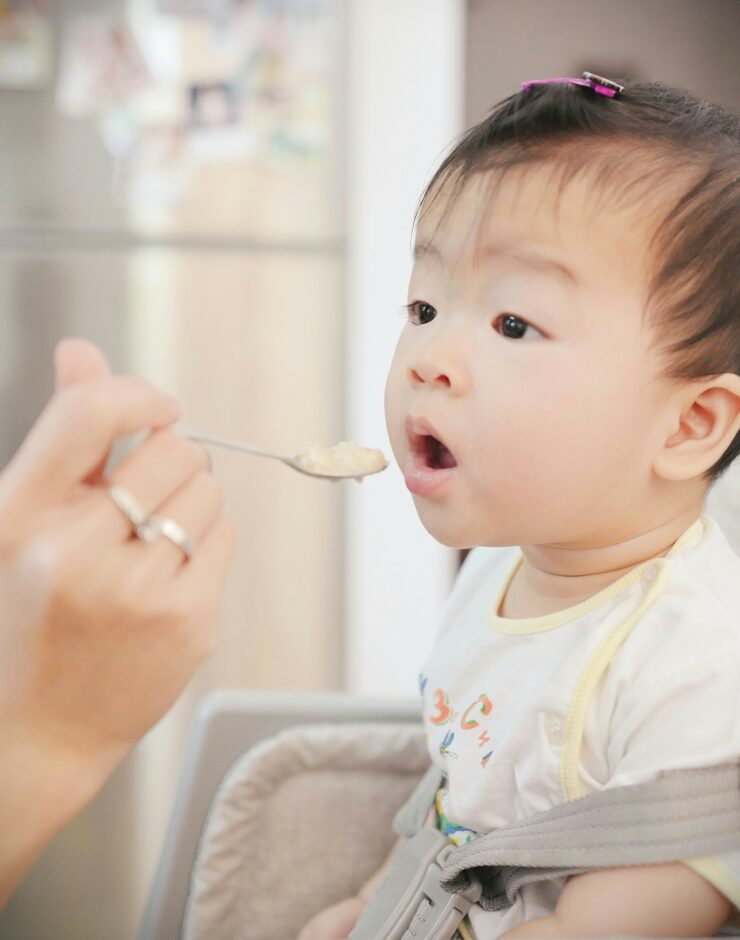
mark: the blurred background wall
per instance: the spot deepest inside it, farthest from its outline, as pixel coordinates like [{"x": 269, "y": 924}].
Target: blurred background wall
[{"x": 220, "y": 194}]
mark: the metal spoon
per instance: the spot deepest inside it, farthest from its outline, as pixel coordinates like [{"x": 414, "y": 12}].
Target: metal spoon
[{"x": 291, "y": 462}]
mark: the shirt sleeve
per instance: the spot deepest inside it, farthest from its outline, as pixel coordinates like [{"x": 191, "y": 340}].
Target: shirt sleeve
[
  {"x": 722, "y": 871},
  {"x": 687, "y": 719}
]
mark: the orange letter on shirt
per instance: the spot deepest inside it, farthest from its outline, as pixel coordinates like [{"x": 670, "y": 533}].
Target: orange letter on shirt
[{"x": 483, "y": 702}]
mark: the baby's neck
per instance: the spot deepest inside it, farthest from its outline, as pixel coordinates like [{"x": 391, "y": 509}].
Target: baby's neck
[{"x": 550, "y": 578}]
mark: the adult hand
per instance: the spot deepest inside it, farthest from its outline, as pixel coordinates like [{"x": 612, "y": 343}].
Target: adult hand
[{"x": 99, "y": 631}]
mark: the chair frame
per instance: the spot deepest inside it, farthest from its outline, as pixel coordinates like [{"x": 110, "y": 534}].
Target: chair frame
[{"x": 226, "y": 725}]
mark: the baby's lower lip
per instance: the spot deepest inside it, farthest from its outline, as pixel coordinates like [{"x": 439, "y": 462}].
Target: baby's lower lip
[{"x": 423, "y": 480}]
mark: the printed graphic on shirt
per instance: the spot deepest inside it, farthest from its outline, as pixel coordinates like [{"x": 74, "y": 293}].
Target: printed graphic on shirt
[
  {"x": 441, "y": 711},
  {"x": 461, "y": 729}
]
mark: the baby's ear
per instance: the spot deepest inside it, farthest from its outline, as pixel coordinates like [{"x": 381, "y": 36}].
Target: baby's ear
[{"x": 707, "y": 418}]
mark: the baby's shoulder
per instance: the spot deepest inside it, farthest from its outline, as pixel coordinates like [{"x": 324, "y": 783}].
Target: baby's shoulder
[
  {"x": 694, "y": 620},
  {"x": 710, "y": 572}
]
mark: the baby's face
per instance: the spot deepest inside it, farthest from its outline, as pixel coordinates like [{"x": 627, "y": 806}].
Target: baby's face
[{"x": 524, "y": 402}]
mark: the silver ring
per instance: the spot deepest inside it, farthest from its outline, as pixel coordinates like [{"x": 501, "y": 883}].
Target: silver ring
[
  {"x": 153, "y": 526},
  {"x": 129, "y": 505}
]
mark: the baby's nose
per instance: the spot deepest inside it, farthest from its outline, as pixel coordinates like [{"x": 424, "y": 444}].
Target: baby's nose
[
  {"x": 421, "y": 376},
  {"x": 442, "y": 362}
]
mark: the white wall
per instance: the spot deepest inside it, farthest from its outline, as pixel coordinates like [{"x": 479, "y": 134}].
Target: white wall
[{"x": 405, "y": 105}]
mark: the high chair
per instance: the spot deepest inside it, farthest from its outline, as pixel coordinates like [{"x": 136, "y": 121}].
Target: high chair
[{"x": 286, "y": 805}]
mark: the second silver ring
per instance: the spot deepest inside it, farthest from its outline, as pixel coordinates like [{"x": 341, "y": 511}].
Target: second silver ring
[{"x": 153, "y": 526}]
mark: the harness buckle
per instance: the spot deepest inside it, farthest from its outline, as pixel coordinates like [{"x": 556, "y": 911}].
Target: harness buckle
[{"x": 411, "y": 897}]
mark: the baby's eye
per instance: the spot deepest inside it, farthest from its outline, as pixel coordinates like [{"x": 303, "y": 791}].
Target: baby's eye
[
  {"x": 512, "y": 326},
  {"x": 420, "y": 313}
]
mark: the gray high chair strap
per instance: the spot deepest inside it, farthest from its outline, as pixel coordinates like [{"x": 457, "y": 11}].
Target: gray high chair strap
[
  {"x": 432, "y": 884},
  {"x": 412, "y": 816}
]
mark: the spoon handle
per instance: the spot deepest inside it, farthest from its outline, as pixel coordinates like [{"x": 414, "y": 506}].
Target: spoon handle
[{"x": 232, "y": 445}]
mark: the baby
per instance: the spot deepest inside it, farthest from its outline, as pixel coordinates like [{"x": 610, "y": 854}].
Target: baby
[{"x": 568, "y": 382}]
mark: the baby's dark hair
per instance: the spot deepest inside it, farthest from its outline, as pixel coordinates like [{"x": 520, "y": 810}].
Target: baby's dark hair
[{"x": 652, "y": 140}]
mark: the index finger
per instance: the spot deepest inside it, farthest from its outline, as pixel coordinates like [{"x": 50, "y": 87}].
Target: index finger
[{"x": 79, "y": 426}]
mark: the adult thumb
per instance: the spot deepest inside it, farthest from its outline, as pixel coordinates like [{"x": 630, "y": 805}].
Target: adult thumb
[{"x": 77, "y": 361}]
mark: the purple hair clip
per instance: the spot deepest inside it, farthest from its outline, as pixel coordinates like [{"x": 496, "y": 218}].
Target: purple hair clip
[{"x": 601, "y": 85}]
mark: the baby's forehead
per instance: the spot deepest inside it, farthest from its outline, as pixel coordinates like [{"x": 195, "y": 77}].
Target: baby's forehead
[
  {"x": 544, "y": 197},
  {"x": 533, "y": 211}
]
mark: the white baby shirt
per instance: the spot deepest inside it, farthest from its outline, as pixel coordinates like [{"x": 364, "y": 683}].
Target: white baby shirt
[{"x": 525, "y": 714}]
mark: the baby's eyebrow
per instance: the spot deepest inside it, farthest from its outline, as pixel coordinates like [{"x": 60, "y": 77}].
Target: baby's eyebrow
[
  {"x": 531, "y": 259},
  {"x": 425, "y": 250}
]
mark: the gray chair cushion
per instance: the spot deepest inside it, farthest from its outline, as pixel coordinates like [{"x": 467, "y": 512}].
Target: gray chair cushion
[{"x": 300, "y": 821}]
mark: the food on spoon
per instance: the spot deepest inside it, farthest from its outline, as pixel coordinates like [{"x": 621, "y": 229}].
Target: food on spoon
[{"x": 344, "y": 459}]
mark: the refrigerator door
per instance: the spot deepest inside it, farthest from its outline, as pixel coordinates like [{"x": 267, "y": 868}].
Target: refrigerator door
[{"x": 183, "y": 126}]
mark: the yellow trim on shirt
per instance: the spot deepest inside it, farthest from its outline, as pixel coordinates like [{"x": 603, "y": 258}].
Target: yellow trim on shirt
[
  {"x": 602, "y": 656},
  {"x": 716, "y": 874},
  {"x": 604, "y": 652},
  {"x": 525, "y": 625}
]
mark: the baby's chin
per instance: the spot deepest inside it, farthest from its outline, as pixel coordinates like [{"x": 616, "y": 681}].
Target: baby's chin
[
  {"x": 456, "y": 531},
  {"x": 450, "y": 532}
]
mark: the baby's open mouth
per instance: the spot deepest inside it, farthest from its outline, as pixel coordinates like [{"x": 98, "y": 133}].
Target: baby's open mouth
[
  {"x": 435, "y": 453},
  {"x": 430, "y": 465}
]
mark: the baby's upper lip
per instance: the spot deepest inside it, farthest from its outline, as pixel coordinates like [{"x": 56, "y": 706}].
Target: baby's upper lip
[{"x": 417, "y": 429}]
